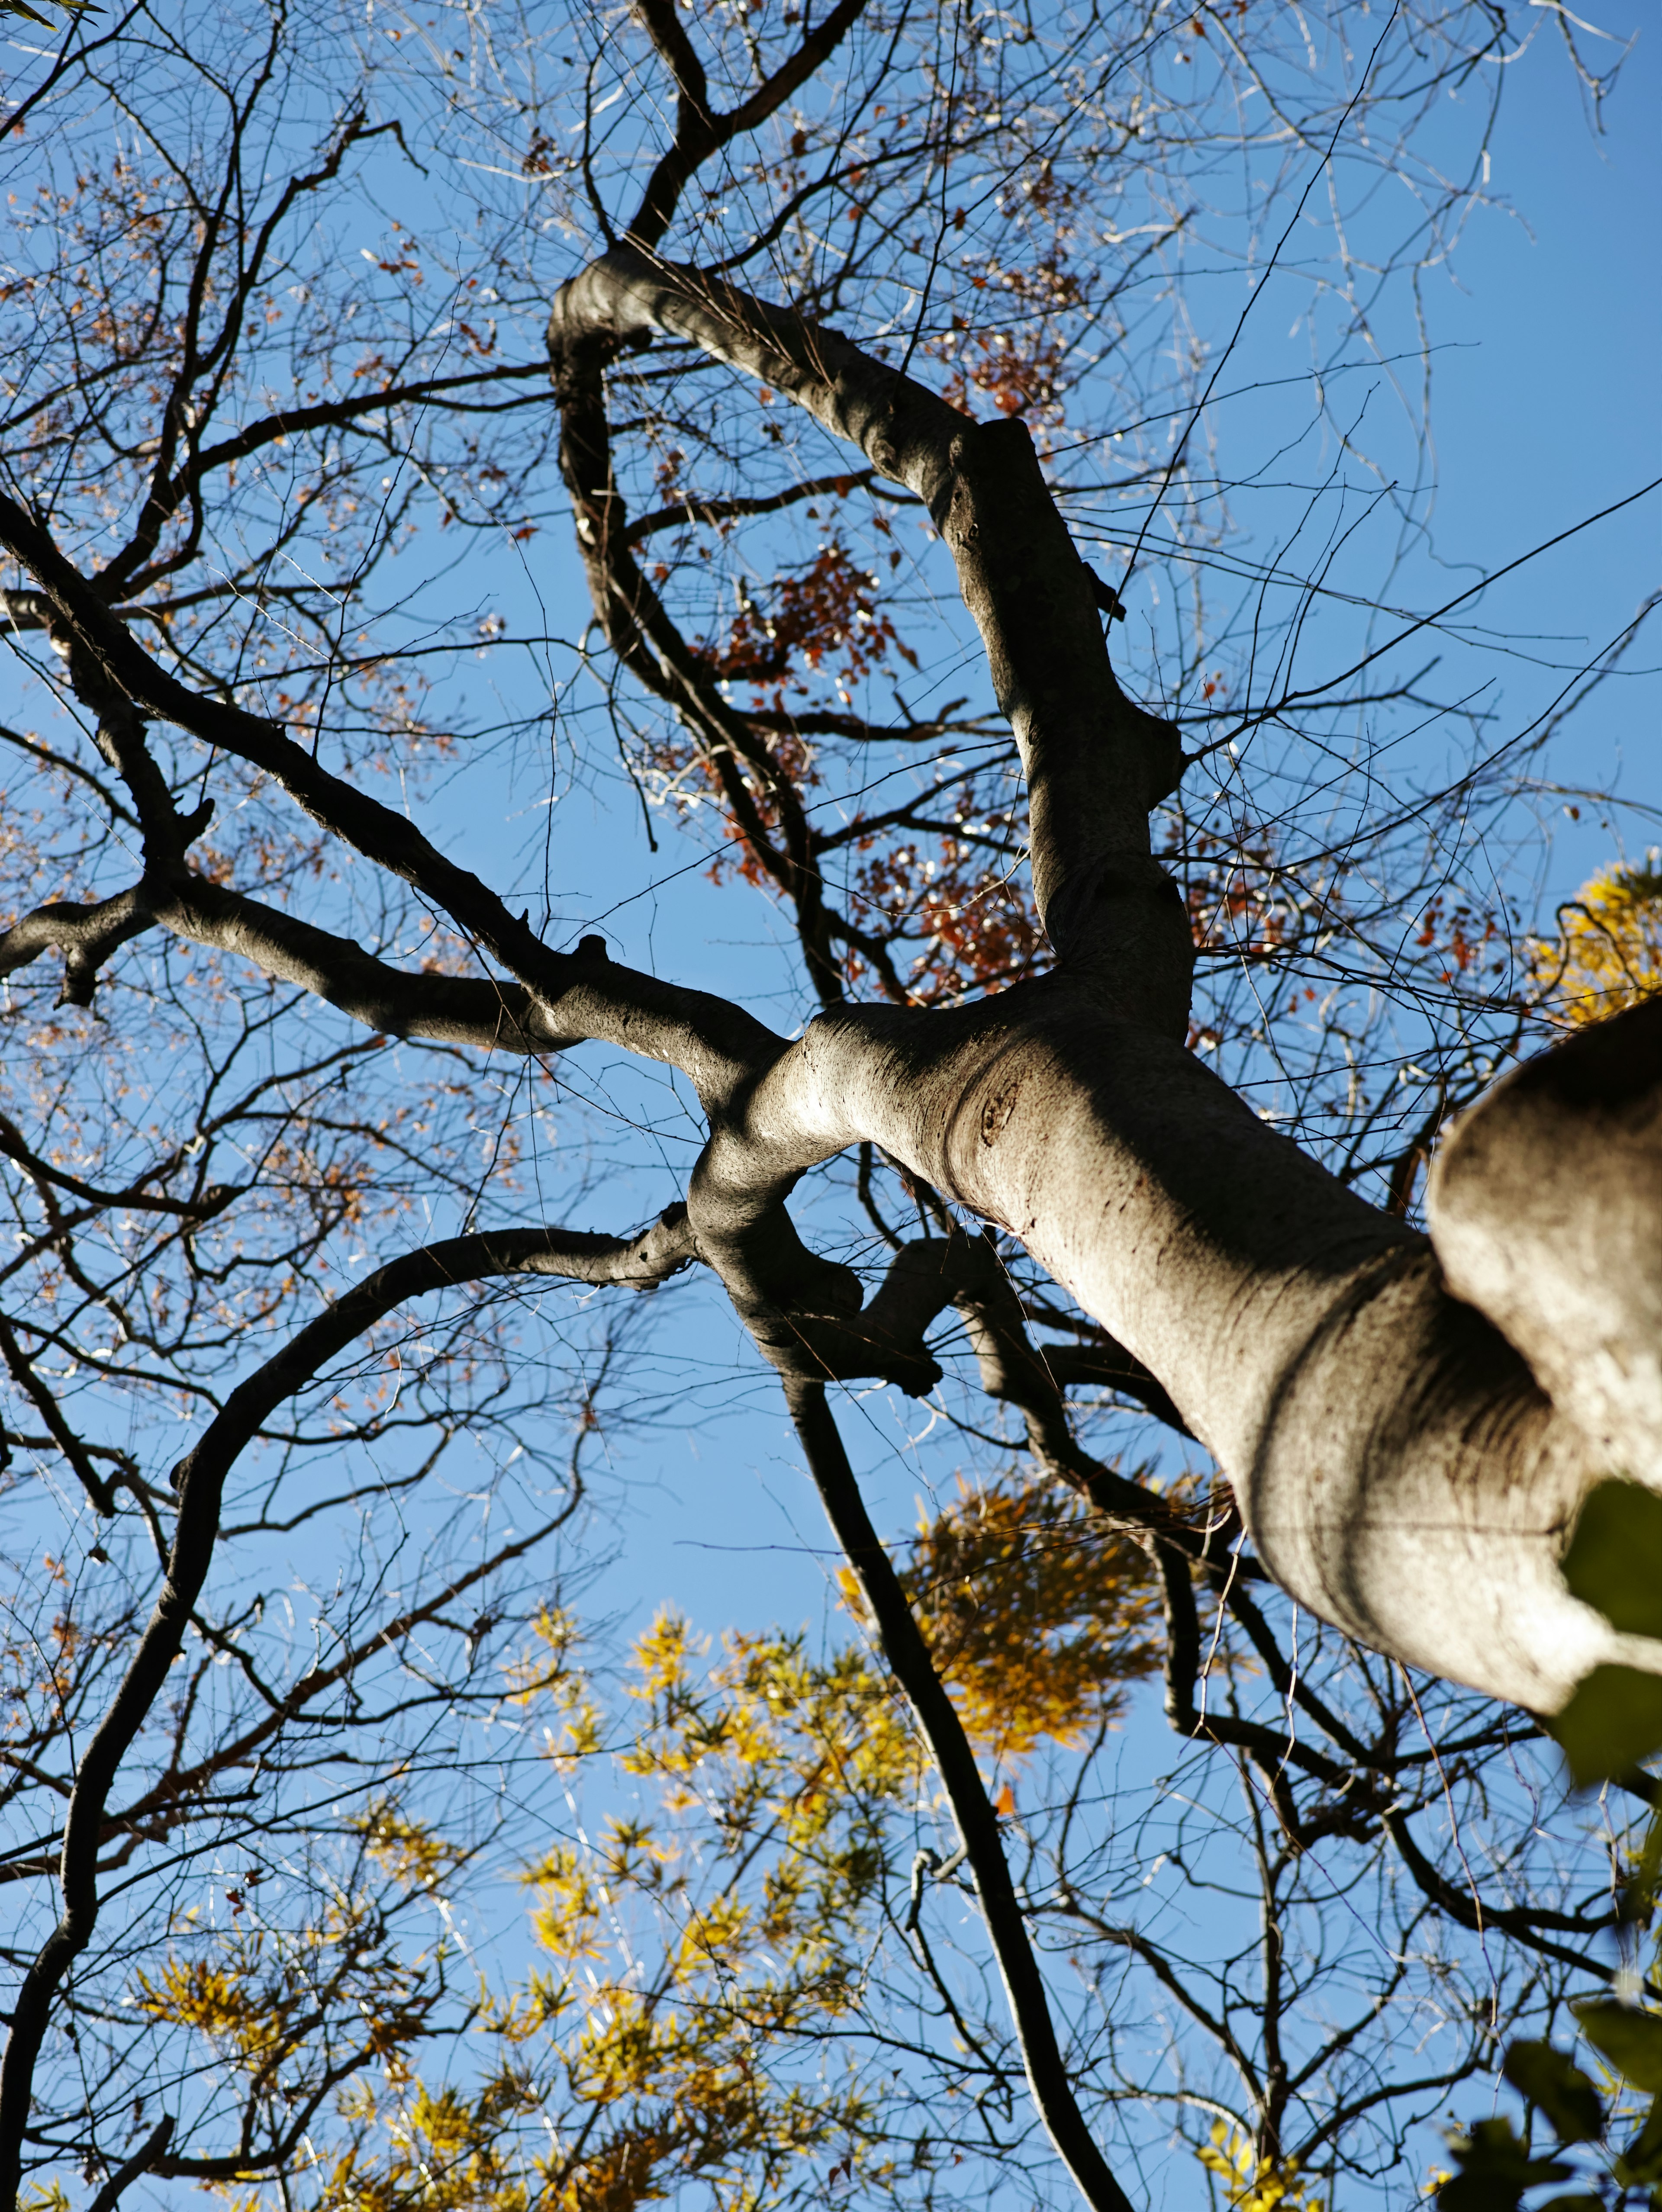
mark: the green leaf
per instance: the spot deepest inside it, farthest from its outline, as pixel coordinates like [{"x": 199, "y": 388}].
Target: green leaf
[
  {"x": 1631, "y": 2040},
  {"x": 1641, "y": 2161},
  {"x": 1495, "y": 2169},
  {"x": 1576, "y": 2202},
  {"x": 1615, "y": 1557},
  {"x": 1613, "y": 1720},
  {"x": 1549, "y": 2079},
  {"x": 1644, "y": 1880}
]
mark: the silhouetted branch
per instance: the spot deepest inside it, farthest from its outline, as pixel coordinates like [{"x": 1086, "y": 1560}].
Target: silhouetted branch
[{"x": 906, "y": 1653}]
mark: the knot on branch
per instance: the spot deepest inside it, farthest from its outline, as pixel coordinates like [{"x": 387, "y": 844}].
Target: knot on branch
[{"x": 1125, "y": 904}]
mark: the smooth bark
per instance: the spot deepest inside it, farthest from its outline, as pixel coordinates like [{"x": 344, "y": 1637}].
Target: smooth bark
[{"x": 1407, "y": 1451}]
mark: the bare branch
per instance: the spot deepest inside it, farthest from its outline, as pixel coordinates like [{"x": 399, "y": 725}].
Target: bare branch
[
  {"x": 907, "y": 1654},
  {"x": 717, "y": 1045},
  {"x": 200, "y": 1479},
  {"x": 140, "y": 2163},
  {"x": 700, "y": 131},
  {"x": 730, "y": 510}
]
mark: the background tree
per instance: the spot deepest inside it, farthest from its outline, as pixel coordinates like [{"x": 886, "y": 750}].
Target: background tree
[{"x": 263, "y": 1014}]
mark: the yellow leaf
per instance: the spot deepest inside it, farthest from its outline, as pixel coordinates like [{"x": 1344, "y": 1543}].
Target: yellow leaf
[
  {"x": 1608, "y": 954},
  {"x": 1036, "y": 1615}
]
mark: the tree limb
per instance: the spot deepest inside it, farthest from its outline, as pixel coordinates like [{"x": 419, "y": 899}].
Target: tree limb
[
  {"x": 1095, "y": 763},
  {"x": 141, "y": 2162},
  {"x": 907, "y": 1654},
  {"x": 717, "y": 1045},
  {"x": 701, "y": 130}
]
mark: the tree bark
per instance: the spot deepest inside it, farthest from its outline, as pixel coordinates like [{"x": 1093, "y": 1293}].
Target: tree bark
[{"x": 1409, "y": 1446}]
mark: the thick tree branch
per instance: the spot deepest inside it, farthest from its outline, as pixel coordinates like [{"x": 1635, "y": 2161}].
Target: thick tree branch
[
  {"x": 1094, "y": 763},
  {"x": 86, "y": 935},
  {"x": 1546, "y": 1209},
  {"x": 1384, "y": 1440},
  {"x": 447, "y": 1009},
  {"x": 718, "y": 1046}
]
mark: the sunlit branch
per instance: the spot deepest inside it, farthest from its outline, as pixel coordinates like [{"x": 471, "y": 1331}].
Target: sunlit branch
[{"x": 1095, "y": 763}]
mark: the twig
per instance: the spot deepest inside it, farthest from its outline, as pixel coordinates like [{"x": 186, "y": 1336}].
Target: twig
[{"x": 199, "y": 1479}]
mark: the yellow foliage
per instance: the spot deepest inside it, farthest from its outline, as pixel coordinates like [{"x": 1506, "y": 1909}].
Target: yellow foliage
[
  {"x": 1609, "y": 952},
  {"x": 618, "y": 2176},
  {"x": 1256, "y": 2185},
  {"x": 662, "y": 1656},
  {"x": 553, "y": 1673},
  {"x": 690, "y": 1947},
  {"x": 561, "y": 1637},
  {"x": 567, "y": 1920},
  {"x": 701, "y": 1950},
  {"x": 1037, "y": 1615},
  {"x": 448, "y": 2151},
  {"x": 224, "y": 2001},
  {"x": 330, "y": 1995},
  {"x": 414, "y": 1857},
  {"x": 767, "y": 1731}
]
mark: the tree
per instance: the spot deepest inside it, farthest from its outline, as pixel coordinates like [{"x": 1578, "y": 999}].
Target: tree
[{"x": 227, "y": 420}]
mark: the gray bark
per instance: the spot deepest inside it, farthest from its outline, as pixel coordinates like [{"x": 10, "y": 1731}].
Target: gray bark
[{"x": 1409, "y": 1424}]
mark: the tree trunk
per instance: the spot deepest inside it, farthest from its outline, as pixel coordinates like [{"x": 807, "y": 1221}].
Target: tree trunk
[{"x": 1409, "y": 1424}]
